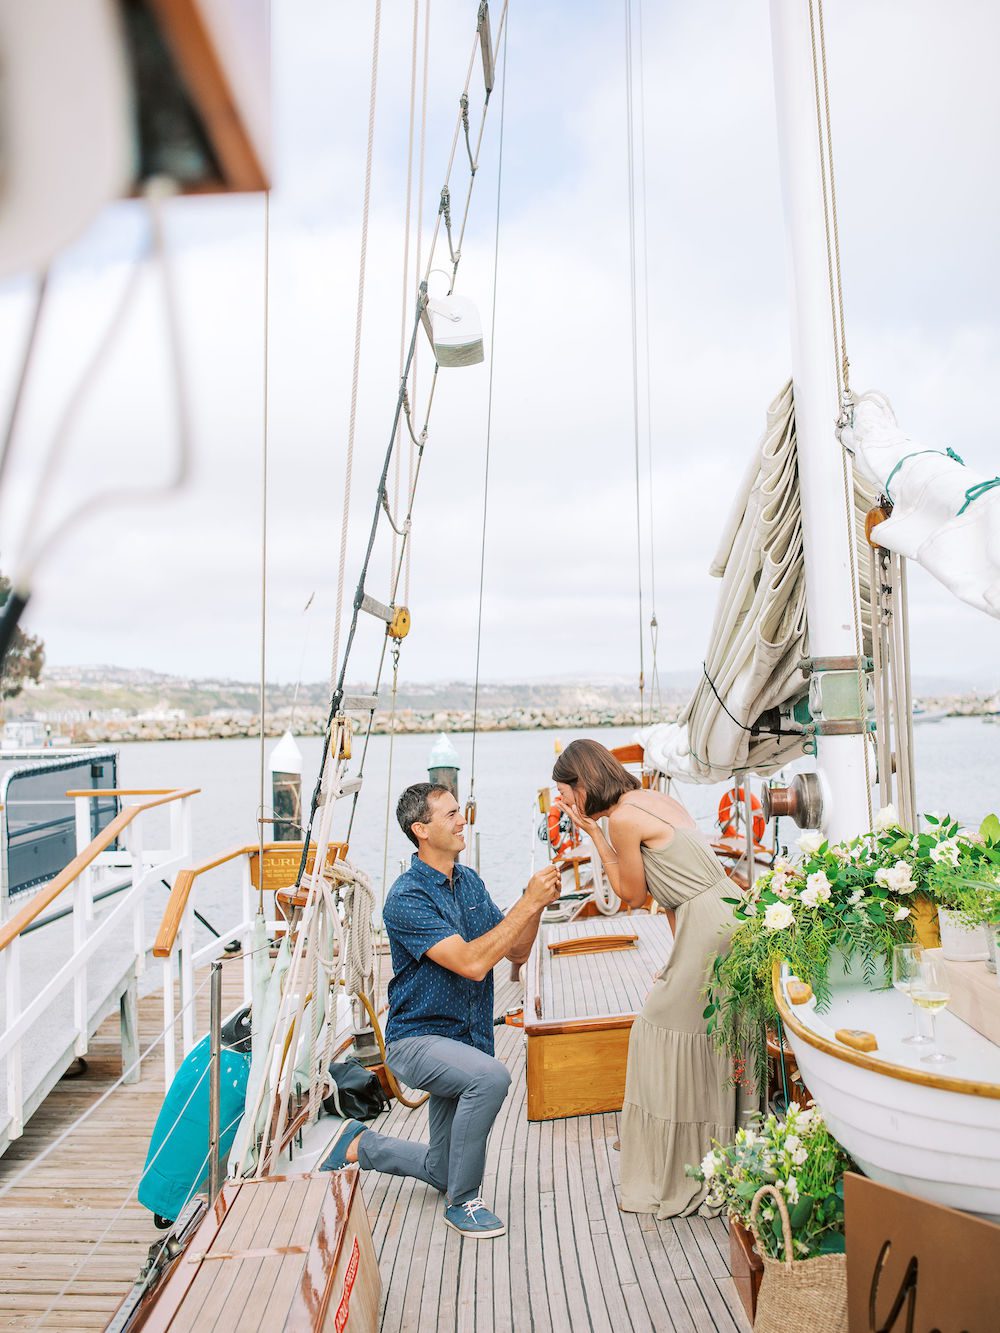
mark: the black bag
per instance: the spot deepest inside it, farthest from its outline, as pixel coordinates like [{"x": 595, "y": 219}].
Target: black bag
[{"x": 356, "y": 1093}]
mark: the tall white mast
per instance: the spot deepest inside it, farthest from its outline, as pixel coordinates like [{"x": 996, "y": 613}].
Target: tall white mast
[{"x": 831, "y": 589}]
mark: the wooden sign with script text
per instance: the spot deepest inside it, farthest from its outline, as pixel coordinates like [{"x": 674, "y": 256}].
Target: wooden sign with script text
[
  {"x": 916, "y": 1267},
  {"x": 281, "y": 863}
]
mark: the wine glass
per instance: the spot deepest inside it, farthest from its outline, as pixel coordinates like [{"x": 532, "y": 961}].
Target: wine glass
[
  {"x": 905, "y": 970},
  {"x": 930, "y": 990}
]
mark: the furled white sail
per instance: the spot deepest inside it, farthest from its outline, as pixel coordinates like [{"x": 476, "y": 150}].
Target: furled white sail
[
  {"x": 760, "y": 633},
  {"x": 944, "y": 515}
]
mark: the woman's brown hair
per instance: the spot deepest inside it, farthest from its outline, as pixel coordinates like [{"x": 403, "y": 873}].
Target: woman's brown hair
[{"x": 593, "y": 767}]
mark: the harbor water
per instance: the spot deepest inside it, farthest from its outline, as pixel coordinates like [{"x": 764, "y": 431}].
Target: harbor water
[{"x": 957, "y": 763}]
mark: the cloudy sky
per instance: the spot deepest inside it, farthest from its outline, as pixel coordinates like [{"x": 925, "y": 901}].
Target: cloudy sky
[{"x": 175, "y": 586}]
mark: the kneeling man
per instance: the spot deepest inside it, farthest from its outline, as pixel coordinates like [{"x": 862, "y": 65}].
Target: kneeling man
[{"x": 446, "y": 935}]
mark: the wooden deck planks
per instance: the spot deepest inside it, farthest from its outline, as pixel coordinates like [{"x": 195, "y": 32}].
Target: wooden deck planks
[{"x": 570, "y": 1258}]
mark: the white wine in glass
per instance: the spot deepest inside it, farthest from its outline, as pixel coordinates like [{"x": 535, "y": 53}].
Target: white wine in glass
[
  {"x": 930, "y": 991},
  {"x": 905, "y": 971}
]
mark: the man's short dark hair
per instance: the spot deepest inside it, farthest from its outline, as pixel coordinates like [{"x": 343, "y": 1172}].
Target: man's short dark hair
[{"x": 413, "y": 807}]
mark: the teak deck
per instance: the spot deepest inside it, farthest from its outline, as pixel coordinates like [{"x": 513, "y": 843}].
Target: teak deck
[
  {"x": 570, "y": 1259},
  {"x": 579, "y": 1009}
]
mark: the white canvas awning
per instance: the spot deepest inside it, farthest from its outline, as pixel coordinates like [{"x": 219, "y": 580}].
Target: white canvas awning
[
  {"x": 944, "y": 515},
  {"x": 760, "y": 633}
]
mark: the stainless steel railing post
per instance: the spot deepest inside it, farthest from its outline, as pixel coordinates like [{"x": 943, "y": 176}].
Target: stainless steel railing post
[{"x": 214, "y": 1083}]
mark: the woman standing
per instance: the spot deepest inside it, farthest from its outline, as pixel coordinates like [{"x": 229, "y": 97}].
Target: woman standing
[{"x": 679, "y": 1092}]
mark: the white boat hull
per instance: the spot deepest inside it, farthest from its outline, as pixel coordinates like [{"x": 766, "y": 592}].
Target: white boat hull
[{"x": 936, "y": 1137}]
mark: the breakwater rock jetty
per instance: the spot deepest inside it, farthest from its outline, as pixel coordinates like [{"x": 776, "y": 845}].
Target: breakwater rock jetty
[{"x": 107, "y": 705}]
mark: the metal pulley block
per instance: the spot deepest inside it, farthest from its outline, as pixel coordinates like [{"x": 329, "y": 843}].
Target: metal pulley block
[{"x": 399, "y": 626}]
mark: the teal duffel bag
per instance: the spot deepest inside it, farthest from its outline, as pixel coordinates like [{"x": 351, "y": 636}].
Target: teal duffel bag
[{"x": 177, "y": 1161}]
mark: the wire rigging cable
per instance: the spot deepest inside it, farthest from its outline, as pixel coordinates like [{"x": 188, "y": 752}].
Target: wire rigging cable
[
  {"x": 263, "y": 543},
  {"x": 358, "y": 322},
  {"x": 629, "y": 114},
  {"x": 333, "y": 767},
  {"x": 489, "y": 427},
  {"x": 656, "y": 697}
]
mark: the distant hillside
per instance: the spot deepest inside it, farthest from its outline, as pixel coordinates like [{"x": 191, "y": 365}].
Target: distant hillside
[{"x": 99, "y": 693}]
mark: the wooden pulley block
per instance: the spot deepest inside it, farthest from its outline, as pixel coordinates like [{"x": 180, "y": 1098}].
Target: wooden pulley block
[{"x": 872, "y": 519}]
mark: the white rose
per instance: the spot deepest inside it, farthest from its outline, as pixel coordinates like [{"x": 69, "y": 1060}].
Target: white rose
[
  {"x": 887, "y": 818},
  {"x": 809, "y": 898},
  {"x": 778, "y": 916},
  {"x": 899, "y": 878},
  {"x": 901, "y": 913},
  {"x": 810, "y": 842},
  {"x": 708, "y": 1165},
  {"x": 841, "y": 853},
  {"x": 792, "y": 1141},
  {"x": 882, "y": 876},
  {"x": 856, "y": 897},
  {"x": 946, "y": 851},
  {"x": 807, "y": 1116},
  {"x": 792, "y": 1189},
  {"x": 799, "y": 1156}
]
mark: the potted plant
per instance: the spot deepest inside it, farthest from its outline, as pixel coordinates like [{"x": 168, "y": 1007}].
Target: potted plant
[
  {"x": 799, "y": 1160},
  {"x": 842, "y": 907},
  {"x": 964, "y": 881}
]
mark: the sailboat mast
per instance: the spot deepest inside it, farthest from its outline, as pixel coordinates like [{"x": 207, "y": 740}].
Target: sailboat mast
[{"x": 831, "y": 587}]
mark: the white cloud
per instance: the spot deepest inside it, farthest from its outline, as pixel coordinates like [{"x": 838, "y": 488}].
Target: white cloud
[{"x": 176, "y": 587}]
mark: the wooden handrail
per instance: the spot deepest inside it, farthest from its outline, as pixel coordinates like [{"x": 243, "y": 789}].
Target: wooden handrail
[
  {"x": 80, "y": 862},
  {"x": 184, "y": 882},
  {"x": 123, "y": 791}
]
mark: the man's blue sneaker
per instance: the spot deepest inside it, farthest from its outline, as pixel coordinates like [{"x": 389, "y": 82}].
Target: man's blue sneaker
[{"x": 474, "y": 1219}]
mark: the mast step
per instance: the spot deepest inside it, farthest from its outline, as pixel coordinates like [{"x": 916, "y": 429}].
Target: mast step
[
  {"x": 377, "y": 609},
  {"x": 359, "y": 703}
]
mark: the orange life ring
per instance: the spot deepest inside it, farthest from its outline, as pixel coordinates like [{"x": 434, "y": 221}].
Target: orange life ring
[
  {"x": 561, "y": 838},
  {"x": 735, "y": 801}
]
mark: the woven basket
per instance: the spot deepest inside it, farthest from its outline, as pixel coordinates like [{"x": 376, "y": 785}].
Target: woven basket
[{"x": 804, "y": 1295}]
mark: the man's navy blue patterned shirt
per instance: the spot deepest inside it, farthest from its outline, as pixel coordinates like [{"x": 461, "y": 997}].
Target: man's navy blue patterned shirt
[{"x": 421, "y": 909}]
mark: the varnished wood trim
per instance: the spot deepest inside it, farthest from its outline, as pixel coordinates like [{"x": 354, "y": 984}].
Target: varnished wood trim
[
  {"x": 628, "y": 754},
  {"x": 561, "y": 1027},
  {"x": 191, "y": 43},
  {"x": 51, "y": 891},
  {"x": 122, "y": 791},
  {"x": 173, "y": 915},
  {"x": 971, "y": 1087}
]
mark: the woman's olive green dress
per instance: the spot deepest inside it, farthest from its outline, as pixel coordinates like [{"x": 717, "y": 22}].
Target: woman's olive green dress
[{"x": 679, "y": 1092}]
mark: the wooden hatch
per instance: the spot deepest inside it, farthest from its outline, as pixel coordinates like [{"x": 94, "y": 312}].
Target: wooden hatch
[
  {"x": 285, "y": 1252},
  {"x": 579, "y": 1009}
]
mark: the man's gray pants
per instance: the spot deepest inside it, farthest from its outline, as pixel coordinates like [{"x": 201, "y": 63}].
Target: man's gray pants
[{"x": 467, "y": 1089}]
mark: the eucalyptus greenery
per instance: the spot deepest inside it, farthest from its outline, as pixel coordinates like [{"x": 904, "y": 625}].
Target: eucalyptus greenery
[
  {"x": 852, "y": 898},
  {"x": 802, "y": 1160}
]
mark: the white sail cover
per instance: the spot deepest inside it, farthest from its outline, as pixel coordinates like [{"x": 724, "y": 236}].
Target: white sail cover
[
  {"x": 760, "y": 632},
  {"x": 944, "y": 515}
]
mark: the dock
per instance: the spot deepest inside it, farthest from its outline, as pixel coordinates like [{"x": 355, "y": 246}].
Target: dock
[{"x": 73, "y": 1236}]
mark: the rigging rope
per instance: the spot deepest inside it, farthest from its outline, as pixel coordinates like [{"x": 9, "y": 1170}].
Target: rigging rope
[
  {"x": 337, "y": 692},
  {"x": 358, "y": 322},
  {"x": 489, "y": 427},
  {"x": 821, "y": 87},
  {"x": 656, "y": 697},
  {"x": 635, "y": 350}
]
